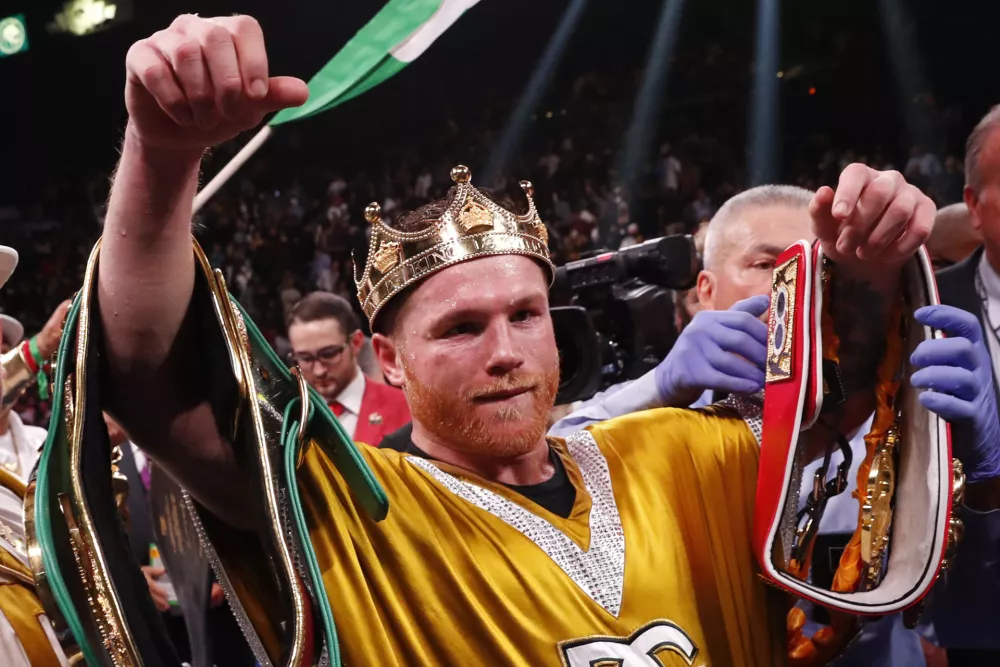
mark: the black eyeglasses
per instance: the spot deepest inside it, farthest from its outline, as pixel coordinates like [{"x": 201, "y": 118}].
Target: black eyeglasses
[{"x": 327, "y": 355}]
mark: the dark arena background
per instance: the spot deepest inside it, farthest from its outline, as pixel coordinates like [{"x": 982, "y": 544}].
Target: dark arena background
[{"x": 588, "y": 98}]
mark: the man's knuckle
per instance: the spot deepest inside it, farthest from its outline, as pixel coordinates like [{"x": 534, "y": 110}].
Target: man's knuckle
[
  {"x": 246, "y": 25},
  {"x": 153, "y": 73},
  {"x": 230, "y": 85},
  {"x": 215, "y": 35},
  {"x": 187, "y": 52}
]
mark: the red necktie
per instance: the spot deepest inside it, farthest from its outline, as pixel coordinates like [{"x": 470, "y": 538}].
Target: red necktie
[{"x": 337, "y": 408}]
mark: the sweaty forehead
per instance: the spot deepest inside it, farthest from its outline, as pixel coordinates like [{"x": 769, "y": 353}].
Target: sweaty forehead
[{"x": 480, "y": 283}]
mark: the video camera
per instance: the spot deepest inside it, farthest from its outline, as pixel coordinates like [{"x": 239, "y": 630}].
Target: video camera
[{"x": 618, "y": 319}]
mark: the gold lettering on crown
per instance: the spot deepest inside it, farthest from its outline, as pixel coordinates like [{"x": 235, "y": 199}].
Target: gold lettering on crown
[
  {"x": 386, "y": 257},
  {"x": 542, "y": 231},
  {"x": 475, "y": 217}
]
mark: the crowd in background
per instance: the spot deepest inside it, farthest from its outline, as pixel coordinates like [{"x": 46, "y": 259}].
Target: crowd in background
[{"x": 291, "y": 220}]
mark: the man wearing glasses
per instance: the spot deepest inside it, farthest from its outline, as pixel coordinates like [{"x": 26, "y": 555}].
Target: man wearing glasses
[{"x": 326, "y": 340}]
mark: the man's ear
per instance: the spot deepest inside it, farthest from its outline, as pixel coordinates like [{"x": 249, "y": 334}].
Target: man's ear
[
  {"x": 706, "y": 290},
  {"x": 972, "y": 203},
  {"x": 357, "y": 341},
  {"x": 389, "y": 359}
]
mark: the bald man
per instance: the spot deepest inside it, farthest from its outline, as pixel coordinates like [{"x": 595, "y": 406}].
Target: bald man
[{"x": 742, "y": 244}]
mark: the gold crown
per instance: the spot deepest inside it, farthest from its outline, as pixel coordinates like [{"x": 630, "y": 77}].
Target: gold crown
[{"x": 472, "y": 226}]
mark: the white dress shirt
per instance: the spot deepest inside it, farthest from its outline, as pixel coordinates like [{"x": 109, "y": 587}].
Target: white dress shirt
[
  {"x": 350, "y": 398},
  {"x": 19, "y": 450},
  {"x": 991, "y": 284}
]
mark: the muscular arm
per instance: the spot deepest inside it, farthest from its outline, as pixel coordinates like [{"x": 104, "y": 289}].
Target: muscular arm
[
  {"x": 146, "y": 279},
  {"x": 194, "y": 85}
]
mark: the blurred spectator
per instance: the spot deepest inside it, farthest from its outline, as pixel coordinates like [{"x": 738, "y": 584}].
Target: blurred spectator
[{"x": 953, "y": 237}]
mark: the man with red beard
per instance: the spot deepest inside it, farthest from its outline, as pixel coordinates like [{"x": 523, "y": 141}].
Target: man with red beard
[{"x": 627, "y": 543}]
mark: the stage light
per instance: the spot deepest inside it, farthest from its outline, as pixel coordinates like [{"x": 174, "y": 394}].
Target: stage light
[
  {"x": 812, "y": 91},
  {"x": 781, "y": 75},
  {"x": 13, "y": 35},
  {"x": 548, "y": 114}
]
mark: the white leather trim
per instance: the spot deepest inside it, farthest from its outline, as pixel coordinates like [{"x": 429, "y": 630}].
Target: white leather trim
[{"x": 923, "y": 494}]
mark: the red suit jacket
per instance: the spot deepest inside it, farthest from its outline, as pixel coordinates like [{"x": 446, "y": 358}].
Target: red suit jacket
[{"x": 383, "y": 410}]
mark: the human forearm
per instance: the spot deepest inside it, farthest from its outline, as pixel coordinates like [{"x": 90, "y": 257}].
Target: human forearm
[
  {"x": 147, "y": 265},
  {"x": 145, "y": 285}
]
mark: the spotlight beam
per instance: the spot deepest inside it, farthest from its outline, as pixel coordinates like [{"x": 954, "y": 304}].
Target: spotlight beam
[
  {"x": 764, "y": 148},
  {"x": 906, "y": 65},
  {"x": 649, "y": 101},
  {"x": 513, "y": 132}
]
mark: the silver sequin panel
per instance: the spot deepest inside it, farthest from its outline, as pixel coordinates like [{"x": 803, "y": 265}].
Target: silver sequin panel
[
  {"x": 751, "y": 409},
  {"x": 599, "y": 571}
]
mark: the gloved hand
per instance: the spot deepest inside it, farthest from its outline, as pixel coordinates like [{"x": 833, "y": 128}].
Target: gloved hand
[
  {"x": 721, "y": 350},
  {"x": 959, "y": 372}
]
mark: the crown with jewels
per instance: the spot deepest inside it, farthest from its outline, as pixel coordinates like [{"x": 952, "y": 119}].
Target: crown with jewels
[{"x": 472, "y": 226}]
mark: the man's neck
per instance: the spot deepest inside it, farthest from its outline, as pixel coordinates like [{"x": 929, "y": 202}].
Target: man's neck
[{"x": 533, "y": 467}]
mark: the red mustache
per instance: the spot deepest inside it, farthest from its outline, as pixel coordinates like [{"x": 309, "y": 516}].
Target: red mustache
[{"x": 505, "y": 387}]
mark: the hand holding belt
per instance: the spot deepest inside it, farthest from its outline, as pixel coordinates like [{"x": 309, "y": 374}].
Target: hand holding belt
[{"x": 907, "y": 456}]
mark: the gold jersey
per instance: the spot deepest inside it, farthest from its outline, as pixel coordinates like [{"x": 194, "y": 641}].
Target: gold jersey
[
  {"x": 26, "y": 638},
  {"x": 653, "y": 566}
]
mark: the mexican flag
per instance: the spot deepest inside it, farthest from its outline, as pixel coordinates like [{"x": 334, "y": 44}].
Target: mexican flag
[{"x": 398, "y": 34}]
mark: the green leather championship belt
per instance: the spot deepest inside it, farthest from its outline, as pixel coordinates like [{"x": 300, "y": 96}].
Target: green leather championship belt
[{"x": 88, "y": 580}]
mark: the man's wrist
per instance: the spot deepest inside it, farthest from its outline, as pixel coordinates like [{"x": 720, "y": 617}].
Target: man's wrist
[{"x": 161, "y": 155}]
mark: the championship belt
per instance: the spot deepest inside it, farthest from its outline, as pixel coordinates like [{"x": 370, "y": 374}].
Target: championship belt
[
  {"x": 908, "y": 485},
  {"x": 87, "y": 577}
]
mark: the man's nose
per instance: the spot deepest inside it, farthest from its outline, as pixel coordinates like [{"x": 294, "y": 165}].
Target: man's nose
[{"x": 505, "y": 353}]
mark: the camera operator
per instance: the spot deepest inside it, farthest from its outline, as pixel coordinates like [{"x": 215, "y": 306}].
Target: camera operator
[{"x": 723, "y": 350}]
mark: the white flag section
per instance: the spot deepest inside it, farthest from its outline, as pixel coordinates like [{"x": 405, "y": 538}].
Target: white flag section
[{"x": 410, "y": 48}]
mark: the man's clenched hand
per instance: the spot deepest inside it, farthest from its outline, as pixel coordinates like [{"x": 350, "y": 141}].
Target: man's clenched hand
[
  {"x": 873, "y": 218},
  {"x": 201, "y": 82}
]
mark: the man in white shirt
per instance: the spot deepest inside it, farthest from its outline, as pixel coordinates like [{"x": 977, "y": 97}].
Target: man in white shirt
[
  {"x": 19, "y": 442},
  {"x": 26, "y": 636},
  {"x": 742, "y": 244},
  {"x": 974, "y": 286},
  {"x": 326, "y": 340}
]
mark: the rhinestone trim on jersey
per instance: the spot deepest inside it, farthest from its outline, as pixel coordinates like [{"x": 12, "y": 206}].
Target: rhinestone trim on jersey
[
  {"x": 598, "y": 571},
  {"x": 751, "y": 408}
]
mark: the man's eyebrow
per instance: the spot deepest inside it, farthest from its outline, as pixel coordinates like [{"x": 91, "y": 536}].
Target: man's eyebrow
[{"x": 474, "y": 311}]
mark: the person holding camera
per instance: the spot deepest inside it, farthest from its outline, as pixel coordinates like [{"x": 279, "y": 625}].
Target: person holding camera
[{"x": 723, "y": 350}]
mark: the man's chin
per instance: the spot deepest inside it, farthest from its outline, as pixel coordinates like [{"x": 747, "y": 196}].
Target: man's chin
[{"x": 328, "y": 392}]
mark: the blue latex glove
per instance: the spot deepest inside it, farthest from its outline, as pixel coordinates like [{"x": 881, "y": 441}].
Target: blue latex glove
[
  {"x": 721, "y": 350},
  {"x": 959, "y": 372}
]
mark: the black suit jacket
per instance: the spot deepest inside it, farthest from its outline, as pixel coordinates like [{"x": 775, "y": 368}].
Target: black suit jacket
[
  {"x": 957, "y": 287},
  {"x": 140, "y": 520}
]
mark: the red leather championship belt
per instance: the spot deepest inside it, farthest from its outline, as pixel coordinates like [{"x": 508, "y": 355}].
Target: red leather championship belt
[{"x": 907, "y": 485}]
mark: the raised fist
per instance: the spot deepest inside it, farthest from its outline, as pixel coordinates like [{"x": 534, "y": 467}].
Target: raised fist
[{"x": 201, "y": 82}]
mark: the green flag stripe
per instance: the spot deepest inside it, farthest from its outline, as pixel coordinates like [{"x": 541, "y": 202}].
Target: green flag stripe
[
  {"x": 363, "y": 57},
  {"x": 387, "y": 69}
]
